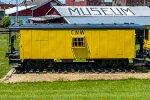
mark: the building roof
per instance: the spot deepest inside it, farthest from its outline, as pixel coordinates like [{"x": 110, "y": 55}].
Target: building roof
[
  {"x": 44, "y": 18},
  {"x": 39, "y": 5},
  {"x": 37, "y": 2},
  {"x": 90, "y": 11},
  {"x": 2, "y": 10},
  {"x": 108, "y": 20},
  {"x": 102, "y": 14},
  {"x": 14, "y": 9}
]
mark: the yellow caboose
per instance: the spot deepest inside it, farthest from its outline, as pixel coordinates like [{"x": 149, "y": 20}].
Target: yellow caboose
[{"x": 102, "y": 43}]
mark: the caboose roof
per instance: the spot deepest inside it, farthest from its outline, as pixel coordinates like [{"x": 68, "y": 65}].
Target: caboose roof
[{"x": 77, "y": 26}]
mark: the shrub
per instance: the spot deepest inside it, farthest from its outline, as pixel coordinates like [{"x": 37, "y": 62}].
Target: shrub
[
  {"x": 6, "y": 21},
  {"x": 19, "y": 21}
]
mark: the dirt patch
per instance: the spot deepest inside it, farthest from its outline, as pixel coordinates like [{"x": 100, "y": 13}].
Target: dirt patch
[{"x": 74, "y": 77}]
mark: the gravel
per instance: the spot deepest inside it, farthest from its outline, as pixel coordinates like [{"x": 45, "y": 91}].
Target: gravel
[{"x": 38, "y": 77}]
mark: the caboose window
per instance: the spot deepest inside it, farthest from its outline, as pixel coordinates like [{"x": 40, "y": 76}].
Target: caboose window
[{"x": 78, "y": 42}]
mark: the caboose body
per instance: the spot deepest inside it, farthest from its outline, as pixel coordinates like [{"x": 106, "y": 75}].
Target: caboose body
[
  {"x": 102, "y": 43},
  {"x": 77, "y": 43}
]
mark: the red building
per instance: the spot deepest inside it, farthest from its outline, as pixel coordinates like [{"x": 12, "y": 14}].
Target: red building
[
  {"x": 135, "y": 2},
  {"x": 104, "y": 4},
  {"x": 22, "y": 11},
  {"x": 34, "y": 10},
  {"x": 6, "y": 6},
  {"x": 44, "y": 8},
  {"x": 75, "y": 3},
  {"x": 47, "y": 13},
  {"x": 84, "y": 2},
  {"x": 131, "y": 2},
  {"x": 147, "y": 3}
]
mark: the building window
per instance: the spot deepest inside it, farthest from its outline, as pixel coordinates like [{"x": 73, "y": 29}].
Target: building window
[
  {"x": 78, "y": 42},
  {"x": 90, "y": 3},
  {"x": 79, "y": 0}
]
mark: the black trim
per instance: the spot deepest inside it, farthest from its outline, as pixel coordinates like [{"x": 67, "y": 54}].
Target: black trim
[{"x": 146, "y": 34}]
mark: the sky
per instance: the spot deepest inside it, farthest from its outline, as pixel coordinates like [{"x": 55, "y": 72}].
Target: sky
[{"x": 14, "y": 1}]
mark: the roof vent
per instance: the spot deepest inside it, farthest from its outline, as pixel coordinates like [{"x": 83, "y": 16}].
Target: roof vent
[
  {"x": 131, "y": 23},
  {"x": 126, "y": 23}
]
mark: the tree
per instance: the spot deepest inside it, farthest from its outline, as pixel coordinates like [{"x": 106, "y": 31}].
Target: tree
[{"x": 6, "y": 21}]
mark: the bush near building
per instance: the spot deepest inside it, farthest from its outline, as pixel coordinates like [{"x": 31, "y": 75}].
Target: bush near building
[
  {"x": 19, "y": 21},
  {"x": 6, "y": 21}
]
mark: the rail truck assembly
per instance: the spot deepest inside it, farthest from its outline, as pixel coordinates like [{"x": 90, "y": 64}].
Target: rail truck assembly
[{"x": 42, "y": 45}]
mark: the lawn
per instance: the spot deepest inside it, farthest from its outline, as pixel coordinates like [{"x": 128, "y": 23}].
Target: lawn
[
  {"x": 84, "y": 90},
  {"x": 4, "y": 66},
  {"x": 4, "y": 46}
]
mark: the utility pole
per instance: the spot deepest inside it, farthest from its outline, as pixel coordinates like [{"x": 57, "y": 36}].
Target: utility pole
[
  {"x": 25, "y": 3},
  {"x": 4, "y": 8},
  {"x": 16, "y": 11}
]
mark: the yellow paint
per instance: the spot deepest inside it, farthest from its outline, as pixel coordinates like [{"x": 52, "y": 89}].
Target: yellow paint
[{"x": 57, "y": 44}]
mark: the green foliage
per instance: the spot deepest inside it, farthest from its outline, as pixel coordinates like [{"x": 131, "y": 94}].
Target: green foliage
[
  {"x": 19, "y": 21},
  {"x": 6, "y": 21}
]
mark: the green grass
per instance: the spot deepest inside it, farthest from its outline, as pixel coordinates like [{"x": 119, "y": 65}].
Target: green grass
[
  {"x": 84, "y": 90},
  {"x": 4, "y": 66}
]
